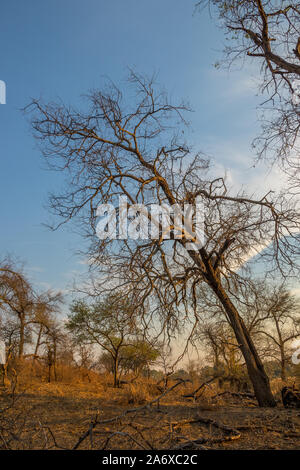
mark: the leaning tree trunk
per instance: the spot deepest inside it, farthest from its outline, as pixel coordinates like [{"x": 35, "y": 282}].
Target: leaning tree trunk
[{"x": 256, "y": 371}]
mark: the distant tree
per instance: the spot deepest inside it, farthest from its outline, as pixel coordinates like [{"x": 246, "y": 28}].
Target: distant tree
[
  {"x": 208, "y": 335},
  {"x": 139, "y": 356},
  {"x": 54, "y": 338},
  {"x": 23, "y": 307},
  {"x": 83, "y": 356},
  {"x": 109, "y": 323},
  {"x": 182, "y": 374},
  {"x": 17, "y": 300},
  {"x": 166, "y": 363},
  {"x": 280, "y": 325},
  {"x": 193, "y": 369},
  {"x": 223, "y": 352},
  {"x": 272, "y": 315},
  {"x": 106, "y": 363},
  {"x": 46, "y": 307}
]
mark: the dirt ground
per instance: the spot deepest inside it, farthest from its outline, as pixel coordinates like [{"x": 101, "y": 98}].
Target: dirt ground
[{"x": 54, "y": 416}]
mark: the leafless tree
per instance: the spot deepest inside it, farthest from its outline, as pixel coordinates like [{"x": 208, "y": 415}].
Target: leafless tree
[
  {"x": 17, "y": 298},
  {"x": 23, "y": 307},
  {"x": 268, "y": 32},
  {"x": 166, "y": 363},
  {"x": 222, "y": 350},
  {"x": 55, "y": 337},
  {"x": 279, "y": 324},
  {"x": 134, "y": 148},
  {"x": 208, "y": 335},
  {"x": 271, "y": 313},
  {"x": 46, "y": 307}
]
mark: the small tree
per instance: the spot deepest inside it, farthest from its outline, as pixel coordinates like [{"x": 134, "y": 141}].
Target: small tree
[
  {"x": 139, "y": 356},
  {"x": 109, "y": 323}
]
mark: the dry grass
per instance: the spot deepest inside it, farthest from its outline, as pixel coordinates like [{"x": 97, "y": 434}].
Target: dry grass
[
  {"x": 54, "y": 415},
  {"x": 137, "y": 394}
]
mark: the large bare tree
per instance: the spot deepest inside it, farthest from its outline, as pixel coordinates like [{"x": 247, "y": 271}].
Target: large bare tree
[{"x": 134, "y": 147}]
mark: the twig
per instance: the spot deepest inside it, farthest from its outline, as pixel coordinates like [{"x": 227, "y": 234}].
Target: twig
[
  {"x": 234, "y": 394},
  {"x": 126, "y": 412},
  {"x": 121, "y": 433},
  {"x": 192, "y": 395},
  {"x": 203, "y": 440}
]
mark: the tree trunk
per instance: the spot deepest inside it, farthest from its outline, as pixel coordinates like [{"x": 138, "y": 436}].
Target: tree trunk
[
  {"x": 38, "y": 342},
  {"x": 256, "y": 371},
  {"x": 220, "y": 380},
  {"x": 49, "y": 372},
  {"x": 22, "y": 336},
  {"x": 50, "y": 362},
  {"x": 283, "y": 366},
  {"x": 2, "y": 374},
  {"x": 54, "y": 361},
  {"x": 116, "y": 382}
]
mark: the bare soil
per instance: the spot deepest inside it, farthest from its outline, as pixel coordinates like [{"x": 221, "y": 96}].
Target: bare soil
[{"x": 54, "y": 416}]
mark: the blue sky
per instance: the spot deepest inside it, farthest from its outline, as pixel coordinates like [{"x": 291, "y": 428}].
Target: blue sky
[{"x": 61, "y": 49}]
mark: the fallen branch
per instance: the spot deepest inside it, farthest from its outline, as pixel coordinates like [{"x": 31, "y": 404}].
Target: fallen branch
[
  {"x": 95, "y": 422},
  {"x": 193, "y": 394},
  {"x": 121, "y": 433},
  {"x": 234, "y": 394},
  {"x": 205, "y": 440},
  {"x": 234, "y": 434}
]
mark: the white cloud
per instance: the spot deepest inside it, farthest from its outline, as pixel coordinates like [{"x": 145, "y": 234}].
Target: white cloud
[{"x": 295, "y": 291}]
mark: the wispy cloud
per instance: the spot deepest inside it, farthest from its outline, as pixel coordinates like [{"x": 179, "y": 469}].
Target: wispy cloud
[{"x": 36, "y": 269}]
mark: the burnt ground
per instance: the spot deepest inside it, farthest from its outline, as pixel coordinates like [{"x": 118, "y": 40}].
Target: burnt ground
[{"x": 55, "y": 417}]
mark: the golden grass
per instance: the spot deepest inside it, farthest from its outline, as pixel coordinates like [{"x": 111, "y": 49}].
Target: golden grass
[{"x": 67, "y": 406}]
